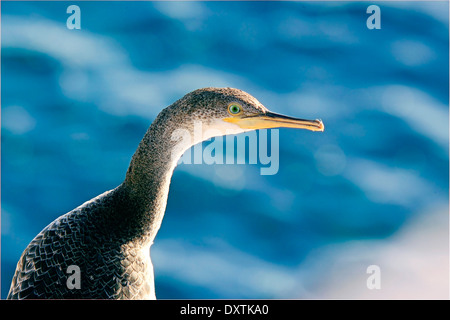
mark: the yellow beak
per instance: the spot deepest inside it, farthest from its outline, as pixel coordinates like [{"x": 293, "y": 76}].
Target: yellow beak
[{"x": 270, "y": 120}]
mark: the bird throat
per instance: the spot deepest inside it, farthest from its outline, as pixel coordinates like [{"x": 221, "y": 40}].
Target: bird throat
[{"x": 148, "y": 179}]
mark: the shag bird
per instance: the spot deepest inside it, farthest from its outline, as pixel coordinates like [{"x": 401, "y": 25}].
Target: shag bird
[{"x": 106, "y": 241}]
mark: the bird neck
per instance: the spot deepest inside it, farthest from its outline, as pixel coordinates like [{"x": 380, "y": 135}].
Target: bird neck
[{"x": 148, "y": 177}]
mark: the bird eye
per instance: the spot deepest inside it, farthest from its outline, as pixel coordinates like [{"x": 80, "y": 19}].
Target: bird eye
[{"x": 234, "y": 108}]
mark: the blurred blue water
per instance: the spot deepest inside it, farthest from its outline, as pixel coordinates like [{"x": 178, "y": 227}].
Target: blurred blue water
[{"x": 75, "y": 104}]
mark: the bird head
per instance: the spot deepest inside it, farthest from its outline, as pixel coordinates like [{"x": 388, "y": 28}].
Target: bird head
[{"x": 222, "y": 111}]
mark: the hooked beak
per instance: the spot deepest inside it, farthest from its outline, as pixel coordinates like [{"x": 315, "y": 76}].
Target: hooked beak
[{"x": 270, "y": 120}]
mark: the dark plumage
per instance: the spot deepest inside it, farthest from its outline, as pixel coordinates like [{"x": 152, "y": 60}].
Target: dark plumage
[{"x": 109, "y": 237}]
